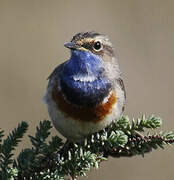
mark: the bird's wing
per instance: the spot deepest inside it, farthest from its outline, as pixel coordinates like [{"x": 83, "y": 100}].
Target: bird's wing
[
  {"x": 121, "y": 84},
  {"x": 57, "y": 71}
]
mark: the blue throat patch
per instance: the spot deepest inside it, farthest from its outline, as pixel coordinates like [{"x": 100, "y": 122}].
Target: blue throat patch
[{"x": 84, "y": 93}]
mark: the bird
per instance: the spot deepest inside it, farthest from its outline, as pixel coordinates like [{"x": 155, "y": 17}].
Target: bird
[{"x": 86, "y": 93}]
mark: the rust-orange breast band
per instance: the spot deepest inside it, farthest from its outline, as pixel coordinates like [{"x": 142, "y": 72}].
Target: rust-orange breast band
[{"x": 87, "y": 114}]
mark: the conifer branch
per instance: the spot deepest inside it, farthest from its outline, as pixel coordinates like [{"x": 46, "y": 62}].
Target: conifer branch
[
  {"x": 8, "y": 146},
  {"x": 55, "y": 160}
]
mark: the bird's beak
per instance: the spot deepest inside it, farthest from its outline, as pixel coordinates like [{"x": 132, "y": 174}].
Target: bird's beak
[{"x": 71, "y": 45}]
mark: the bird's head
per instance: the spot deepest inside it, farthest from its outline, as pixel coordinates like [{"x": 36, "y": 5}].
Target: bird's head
[
  {"x": 93, "y": 42},
  {"x": 91, "y": 54}
]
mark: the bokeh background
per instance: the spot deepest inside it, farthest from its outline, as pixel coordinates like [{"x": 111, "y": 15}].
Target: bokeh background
[{"x": 32, "y": 34}]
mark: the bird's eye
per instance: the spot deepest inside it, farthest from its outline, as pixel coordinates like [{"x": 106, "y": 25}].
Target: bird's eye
[{"x": 97, "y": 46}]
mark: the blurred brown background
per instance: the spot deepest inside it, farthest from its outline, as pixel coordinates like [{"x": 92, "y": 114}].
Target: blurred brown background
[{"x": 32, "y": 34}]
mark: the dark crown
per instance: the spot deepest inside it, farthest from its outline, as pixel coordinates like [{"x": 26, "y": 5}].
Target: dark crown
[{"x": 83, "y": 35}]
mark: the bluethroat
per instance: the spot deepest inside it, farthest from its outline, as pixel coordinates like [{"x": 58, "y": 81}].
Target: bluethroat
[{"x": 86, "y": 93}]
